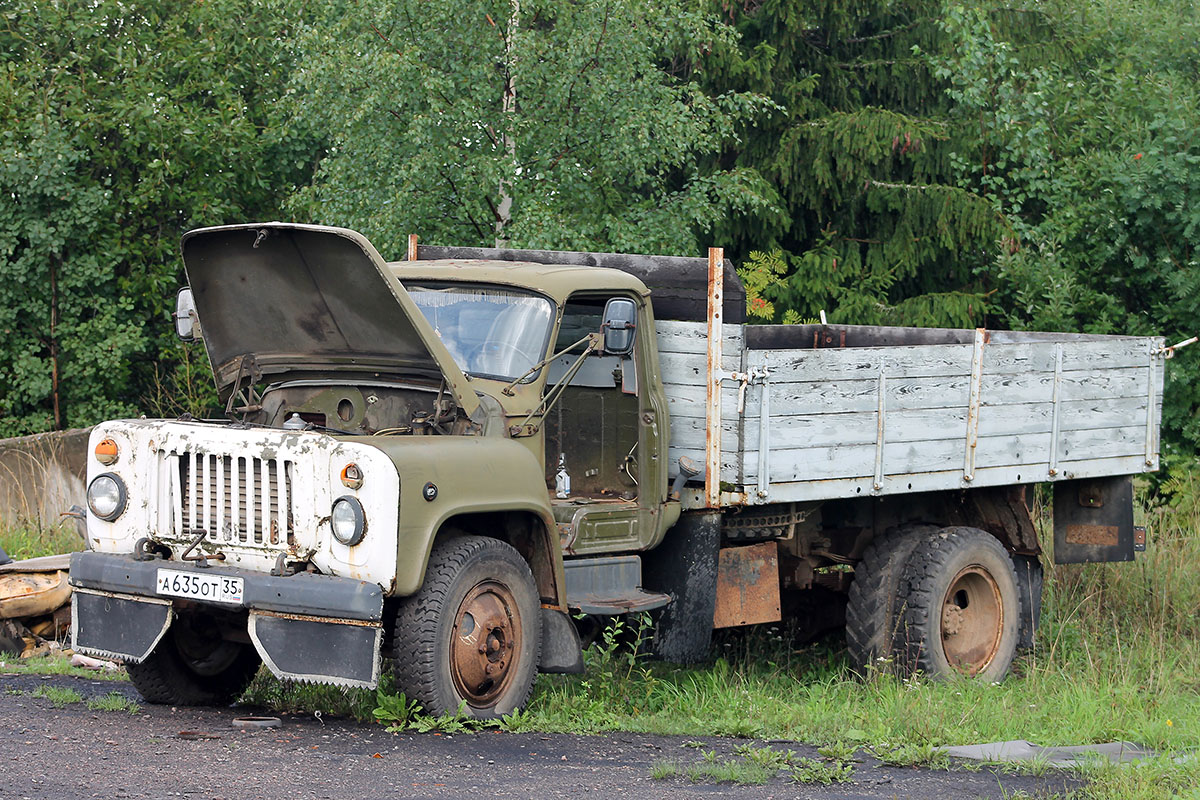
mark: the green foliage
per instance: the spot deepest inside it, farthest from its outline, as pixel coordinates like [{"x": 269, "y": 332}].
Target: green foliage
[
  {"x": 121, "y": 126},
  {"x": 1077, "y": 122},
  {"x": 876, "y": 230},
  {"x": 586, "y": 116},
  {"x": 395, "y": 709}
]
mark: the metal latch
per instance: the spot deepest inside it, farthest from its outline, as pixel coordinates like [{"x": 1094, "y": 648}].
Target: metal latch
[
  {"x": 1139, "y": 538},
  {"x": 755, "y": 375}
]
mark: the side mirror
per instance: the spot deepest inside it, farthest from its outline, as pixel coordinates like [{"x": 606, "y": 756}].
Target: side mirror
[
  {"x": 620, "y": 325},
  {"x": 187, "y": 324}
]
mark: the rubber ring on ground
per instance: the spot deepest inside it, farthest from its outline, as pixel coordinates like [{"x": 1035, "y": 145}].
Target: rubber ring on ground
[{"x": 253, "y": 723}]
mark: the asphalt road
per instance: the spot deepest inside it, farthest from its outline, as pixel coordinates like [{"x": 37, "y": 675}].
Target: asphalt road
[{"x": 72, "y": 752}]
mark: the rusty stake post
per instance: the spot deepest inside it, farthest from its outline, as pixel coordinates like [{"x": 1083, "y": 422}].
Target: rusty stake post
[
  {"x": 412, "y": 247},
  {"x": 712, "y": 439}
]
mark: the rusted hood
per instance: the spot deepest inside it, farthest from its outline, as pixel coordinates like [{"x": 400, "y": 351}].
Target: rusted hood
[{"x": 308, "y": 298}]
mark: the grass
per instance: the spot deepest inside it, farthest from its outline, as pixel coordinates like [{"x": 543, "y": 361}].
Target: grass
[
  {"x": 29, "y": 540},
  {"x": 113, "y": 701},
  {"x": 58, "y": 696},
  {"x": 56, "y": 664}
]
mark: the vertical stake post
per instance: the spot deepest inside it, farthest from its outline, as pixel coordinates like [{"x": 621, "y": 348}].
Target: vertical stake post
[
  {"x": 412, "y": 247},
  {"x": 712, "y": 439}
]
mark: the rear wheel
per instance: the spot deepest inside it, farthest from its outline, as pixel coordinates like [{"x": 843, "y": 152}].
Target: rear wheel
[
  {"x": 962, "y": 608},
  {"x": 873, "y": 605},
  {"x": 193, "y": 666},
  {"x": 471, "y": 635}
]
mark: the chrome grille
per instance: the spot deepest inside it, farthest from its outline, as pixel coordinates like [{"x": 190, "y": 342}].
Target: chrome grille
[{"x": 235, "y": 499}]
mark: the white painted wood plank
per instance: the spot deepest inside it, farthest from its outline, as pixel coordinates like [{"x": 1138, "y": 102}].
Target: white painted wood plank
[
  {"x": 688, "y": 369},
  {"x": 802, "y": 491},
  {"x": 916, "y": 361},
  {"x": 914, "y": 425},
  {"x": 692, "y": 337}
]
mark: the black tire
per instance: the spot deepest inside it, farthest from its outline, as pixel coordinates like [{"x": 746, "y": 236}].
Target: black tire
[
  {"x": 873, "y": 603},
  {"x": 440, "y": 660},
  {"x": 962, "y": 607},
  {"x": 193, "y": 666}
]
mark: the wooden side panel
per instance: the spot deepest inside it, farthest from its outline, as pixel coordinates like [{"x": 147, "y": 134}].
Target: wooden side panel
[{"x": 882, "y": 420}]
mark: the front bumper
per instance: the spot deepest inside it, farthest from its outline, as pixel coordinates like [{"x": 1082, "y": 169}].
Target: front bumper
[{"x": 307, "y": 627}]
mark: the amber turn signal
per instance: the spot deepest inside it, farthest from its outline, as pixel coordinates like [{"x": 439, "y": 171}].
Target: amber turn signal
[
  {"x": 106, "y": 452},
  {"x": 352, "y": 476}
]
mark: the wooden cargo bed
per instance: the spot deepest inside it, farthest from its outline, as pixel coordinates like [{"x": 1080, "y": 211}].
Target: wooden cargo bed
[{"x": 849, "y": 411}]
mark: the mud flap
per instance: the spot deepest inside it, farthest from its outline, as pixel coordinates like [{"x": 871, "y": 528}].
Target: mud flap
[
  {"x": 295, "y": 647},
  {"x": 685, "y": 566},
  {"x": 1093, "y": 520},
  {"x": 561, "y": 649},
  {"x": 109, "y": 625}
]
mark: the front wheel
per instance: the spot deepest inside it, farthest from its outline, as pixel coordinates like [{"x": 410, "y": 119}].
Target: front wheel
[
  {"x": 471, "y": 636},
  {"x": 962, "y": 608},
  {"x": 194, "y": 666}
]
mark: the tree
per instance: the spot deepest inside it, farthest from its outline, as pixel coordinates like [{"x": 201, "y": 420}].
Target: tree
[
  {"x": 123, "y": 124},
  {"x": 1078, "y": 124},
  {"x": 575, "y": 125},
  {"x": 877, "y": 229}
]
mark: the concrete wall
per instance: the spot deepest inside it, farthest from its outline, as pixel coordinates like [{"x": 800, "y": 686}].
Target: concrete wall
[{"x": 41, "y": 476}]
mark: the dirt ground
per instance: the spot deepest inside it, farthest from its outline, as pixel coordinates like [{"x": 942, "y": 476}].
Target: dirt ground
[{"x": 72, "y": 752}]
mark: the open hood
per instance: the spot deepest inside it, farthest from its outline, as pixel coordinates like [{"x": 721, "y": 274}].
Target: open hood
[{"x": 286, "y": 298}]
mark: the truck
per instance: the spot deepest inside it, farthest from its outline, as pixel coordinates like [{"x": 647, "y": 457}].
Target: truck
[{"x": 438, "y": 465}]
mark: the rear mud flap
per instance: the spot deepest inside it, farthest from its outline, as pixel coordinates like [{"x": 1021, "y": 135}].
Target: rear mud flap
[
  {"x": 109, "y": 625},
  {"x": 1093, "y": 520},
  {"x": 341, "y": 652}
]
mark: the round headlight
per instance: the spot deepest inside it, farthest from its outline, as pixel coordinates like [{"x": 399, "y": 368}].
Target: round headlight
[
  {"x": 348, "y": 521},
  {"x": 106, "y": 496}
]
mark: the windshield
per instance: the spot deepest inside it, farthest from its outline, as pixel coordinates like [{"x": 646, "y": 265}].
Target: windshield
[{"x": 491, "y": 332}]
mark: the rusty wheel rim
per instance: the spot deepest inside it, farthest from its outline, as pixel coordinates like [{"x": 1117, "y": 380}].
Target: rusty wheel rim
[
  {"x": 484, "y": 643},
  {"x": 972, "y": 621}
]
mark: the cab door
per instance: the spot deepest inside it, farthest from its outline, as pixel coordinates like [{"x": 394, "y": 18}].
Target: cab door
[{"x": 606, "y": 438}]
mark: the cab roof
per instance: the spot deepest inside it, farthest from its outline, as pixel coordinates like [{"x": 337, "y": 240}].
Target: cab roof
[{"x": 557, "y": 281}]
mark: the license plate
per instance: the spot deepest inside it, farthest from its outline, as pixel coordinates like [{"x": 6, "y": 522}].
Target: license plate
[{"x": 217, "y": 588}]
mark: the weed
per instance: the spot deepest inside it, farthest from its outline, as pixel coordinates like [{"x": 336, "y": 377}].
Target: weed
[
  {"x": 744, "y": 773},
  {"x": 661, "y": 770},
  {"x": 113, "y": 701},
  {"x": 838, "y": 751},
  {"x": 58, "y": 696},
  {"x": 397, "y": 710},
  {"x": 447, "y": 723},
  {"x": 911, "y": 755},
  {"x": 811, "y": 770},
  {"x": 517, "y": 722},
  {"x": 292, "y": 697}
]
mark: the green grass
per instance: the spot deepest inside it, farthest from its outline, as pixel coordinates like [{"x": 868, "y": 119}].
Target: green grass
[
  {"x": 753, "y": 765},
  {"x": 28, "y": 541},
  {"x": 57, "y": 664},
  {"x": 58, "y": 696},
  {"x": 113, "y": 701}
]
